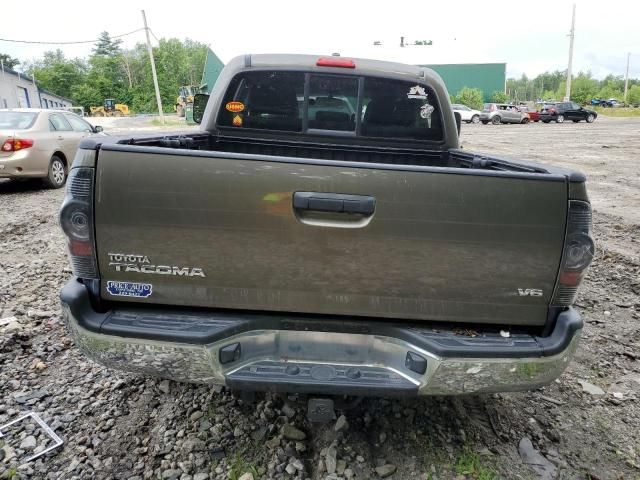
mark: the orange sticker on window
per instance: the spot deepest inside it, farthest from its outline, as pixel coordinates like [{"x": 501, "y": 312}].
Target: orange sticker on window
[
  {"x": 235, "y": 107},
  {"x": 237, "y": 121}
]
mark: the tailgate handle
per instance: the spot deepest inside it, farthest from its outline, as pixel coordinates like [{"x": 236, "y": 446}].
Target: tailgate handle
[{"x": 334, "y": 202}]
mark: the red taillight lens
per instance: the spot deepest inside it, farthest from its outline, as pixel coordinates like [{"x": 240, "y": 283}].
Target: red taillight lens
[
  {"x": 335, "y": 62},
  {"x": 553, "y": 110},
  {"x": 15, "y": 144},
  {"x": 76, "y": 220},
  {"x": 578, "y": 253}
]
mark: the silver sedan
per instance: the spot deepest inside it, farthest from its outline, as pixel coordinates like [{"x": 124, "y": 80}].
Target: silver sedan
[{"x": 39, "y": 143}]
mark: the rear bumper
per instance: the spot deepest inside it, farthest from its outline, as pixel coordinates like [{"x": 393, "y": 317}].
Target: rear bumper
[
  {"x": 24, "y": 164},
  {"x": 315, "y": 355}
]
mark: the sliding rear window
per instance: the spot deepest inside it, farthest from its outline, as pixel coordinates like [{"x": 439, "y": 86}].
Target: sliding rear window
[{"x": 376, "y": 108}]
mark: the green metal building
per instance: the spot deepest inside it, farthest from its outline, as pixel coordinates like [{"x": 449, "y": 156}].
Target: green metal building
[
  {"x": 212, "y": 68},
  {"x": 488, "y": 77}
]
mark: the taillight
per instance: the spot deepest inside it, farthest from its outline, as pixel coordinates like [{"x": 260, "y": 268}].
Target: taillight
[
  {"x": 76, "y": 220},
  {"x": 553, "y": 110},
  {"x": 335, "y": 62},
  {"x": 577, "y": 255},
  {"x": 15, "y": 144}
]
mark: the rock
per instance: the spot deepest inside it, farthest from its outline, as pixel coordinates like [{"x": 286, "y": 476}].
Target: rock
[
  {"x": 590, "y": 388},
  {"x": 360, "y": 459},
  {"x": 191, "y": 445},
  {"x": 341, "y": 466},
  {"x": 626, "y": 385},
  {"x": 36, "y": 394},
  {"x": 386, "y": 470},
  {"x": 163, "y": 386},
  {"x": 7, "y": 454},
  {"x": 292, "y": 433},
  {"x": 197, "y": 415},
  {"x": 273, "y": 443},
  {"x": 290, "y": 469},
  {"x": 348, "y": 474},
  {"x": 40, "y": 366},
  {"x": 29, "y": 443},
  {"x": 288, "y": 411},
  {"x": 383, "y": 437},
  {"x": 171, "y": 474},
  {"x": 331, "y": 460},
  {"x": 237, "y": 432},
  {"x": 12, "y": 327},
  {"x": 7, "y": 320},
  {"x": 341, "y": 424},
  {"x": 538, "y": 462},
  {"x": 298, "y": 464},
  {"x": 246, "y": 476},
  {"x": 201, "y": 476}
]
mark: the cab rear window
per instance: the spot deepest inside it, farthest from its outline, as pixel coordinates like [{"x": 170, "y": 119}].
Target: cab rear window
[{"x": 328, "y": 104}]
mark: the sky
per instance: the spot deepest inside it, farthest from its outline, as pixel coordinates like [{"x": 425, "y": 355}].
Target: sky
[{"x": 531, "y": 37}]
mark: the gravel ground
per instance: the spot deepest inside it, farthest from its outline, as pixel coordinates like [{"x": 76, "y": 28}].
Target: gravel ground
[{"x": 118, "y": 426}]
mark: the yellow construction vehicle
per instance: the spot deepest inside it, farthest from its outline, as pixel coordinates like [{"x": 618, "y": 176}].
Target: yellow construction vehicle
[
  {"x": 110, "y": 109},
  {"x": 186, "y": 96}
]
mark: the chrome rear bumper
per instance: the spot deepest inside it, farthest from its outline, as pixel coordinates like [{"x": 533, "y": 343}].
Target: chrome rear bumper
[{"x": 286, "y": 359}]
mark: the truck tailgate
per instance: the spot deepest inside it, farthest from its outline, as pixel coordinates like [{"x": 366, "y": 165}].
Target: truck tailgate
[{"x": 430, "y": 243}]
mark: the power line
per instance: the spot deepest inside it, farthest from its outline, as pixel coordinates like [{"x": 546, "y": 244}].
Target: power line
[
  {"x": 68, "y": 43},
  {"x": 154, "y": 35}
]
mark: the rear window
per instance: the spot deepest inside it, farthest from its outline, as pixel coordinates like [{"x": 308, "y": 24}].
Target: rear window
[
  {"x": 399, "y": 109},
  {"x": 17, "y": 120},
  {"x": 339, "y": 104}
]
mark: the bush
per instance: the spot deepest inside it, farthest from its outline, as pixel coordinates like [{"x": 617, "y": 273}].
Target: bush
[
  {"x": 633, "y": 95},
  {"x": 471, "y": 97},
  {"x": 499, "y": 97}
]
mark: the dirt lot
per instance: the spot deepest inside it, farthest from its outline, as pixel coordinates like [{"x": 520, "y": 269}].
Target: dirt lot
[{"x": 122, "y": 427}]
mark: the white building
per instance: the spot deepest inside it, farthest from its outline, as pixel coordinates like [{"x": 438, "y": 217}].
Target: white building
[{"x": 17, "y": 90}]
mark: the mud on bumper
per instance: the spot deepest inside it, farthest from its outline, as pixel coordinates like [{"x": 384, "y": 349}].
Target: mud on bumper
[{"x": 295, "y": 353}]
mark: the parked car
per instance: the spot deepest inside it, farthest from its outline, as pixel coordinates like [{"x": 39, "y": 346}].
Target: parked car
[
  {"x": 338, "y": 260},
  {"x": 561, "y": 111},
  {"x": 467, "y": 114},
  {"x": 534, "y": 115},
  {"x": 39, "y": 143},
  {"x": 612, "y": 102},
  {"x": 498, "y": 113}
]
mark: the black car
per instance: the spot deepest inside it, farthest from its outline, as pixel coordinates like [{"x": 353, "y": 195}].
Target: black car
[{"x": 561, "y": 111}]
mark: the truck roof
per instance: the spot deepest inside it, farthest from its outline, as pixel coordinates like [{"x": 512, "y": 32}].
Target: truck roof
[{"x": 363, "y": 66}]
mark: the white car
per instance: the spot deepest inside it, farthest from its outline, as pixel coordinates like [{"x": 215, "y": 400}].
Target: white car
[{"x": 468, "y": 115}]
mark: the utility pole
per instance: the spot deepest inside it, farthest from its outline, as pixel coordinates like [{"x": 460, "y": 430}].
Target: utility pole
[
  {"x": 153, "y": 68},
  {"x": 626, "y": 79},
  {"x": 567, "y": 94}
]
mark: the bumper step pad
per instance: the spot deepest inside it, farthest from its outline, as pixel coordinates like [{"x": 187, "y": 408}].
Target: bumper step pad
[{"x": 312, "y": 377}]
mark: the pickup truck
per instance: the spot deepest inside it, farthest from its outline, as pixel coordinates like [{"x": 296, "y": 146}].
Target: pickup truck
[{"x": 355, "y": 251}]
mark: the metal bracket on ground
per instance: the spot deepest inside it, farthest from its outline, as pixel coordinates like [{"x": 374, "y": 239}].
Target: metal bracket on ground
[{"x": 57, "y": 441}]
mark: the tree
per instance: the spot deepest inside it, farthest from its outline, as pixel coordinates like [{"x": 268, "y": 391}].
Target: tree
[
  {"x": 9, "y": 62},
  {"x": 499, "y": 97},
  {"x": 471, "y": 97},
  {"x": 583, "y": 88},
  {"x": 56, "y": 73},
  {"x": 633, "y": 94},
  {"x": 106, "y": 46}
]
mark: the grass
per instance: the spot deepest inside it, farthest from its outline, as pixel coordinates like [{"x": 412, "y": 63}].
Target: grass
[
  {"x": 618, "y": 112},
  {"x": 239, "y": 466},
  {"x": 9, "y": 474},
  {"x": 470, "y": 464}
]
